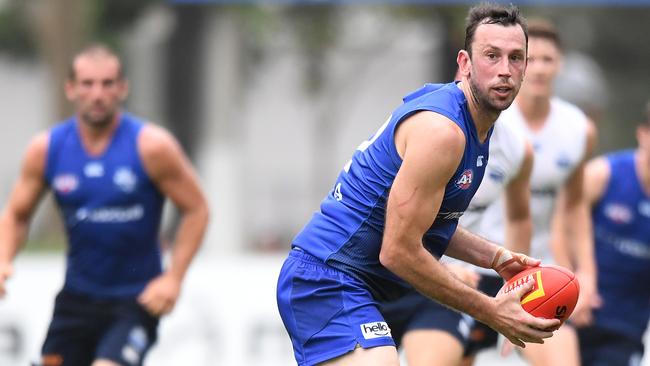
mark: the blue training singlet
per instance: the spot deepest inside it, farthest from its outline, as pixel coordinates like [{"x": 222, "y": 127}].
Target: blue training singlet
[
  {"x": 347, "y": 231},
  {"x": 111, "y": 211},
  {"x": 622, "y": 238}
]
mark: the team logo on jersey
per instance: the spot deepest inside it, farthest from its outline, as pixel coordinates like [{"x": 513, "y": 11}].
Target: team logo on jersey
[
  {"x": 479, "y": 160},
  {"x": 94, "y": 169},
  {"x": 497, "y": 175},
  {"x": 465, "y": 180},
  {"x": 125, "y": 179},
  {"x": 65, "y": 183},
  {"x": 618, "y": 213},
  {"x": 375, "y": 330},
  {"x": 644, "y": 208},
  {"x": 563, "y": 162}
]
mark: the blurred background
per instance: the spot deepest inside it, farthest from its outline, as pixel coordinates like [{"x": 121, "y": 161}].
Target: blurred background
[{"x": 269, "y": 99}]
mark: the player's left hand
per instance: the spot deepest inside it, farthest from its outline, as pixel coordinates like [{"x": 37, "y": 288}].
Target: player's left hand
[
  {"x": 507, "y": 263},
  {"x": 160, "y": 295},
  {"x": 588, "y": 300}
]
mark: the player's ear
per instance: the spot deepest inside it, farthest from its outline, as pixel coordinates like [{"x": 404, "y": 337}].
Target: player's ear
[
  {"x": 464, "y": 63},
  {"x": 124, "y": 89},
  {"x": 69, "y": 89}
]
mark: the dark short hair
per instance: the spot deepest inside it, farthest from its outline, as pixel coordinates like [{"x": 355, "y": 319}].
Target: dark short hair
[
  {"x": 645, "y": 122},
  {"x": 487, "y": 13},
  {"x": 541, "y": 28},
  {"x": 95, "y": 49}
]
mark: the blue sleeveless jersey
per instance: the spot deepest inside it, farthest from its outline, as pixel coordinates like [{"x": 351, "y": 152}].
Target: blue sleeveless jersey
[
  {"x": 347, "y": 231},
  {"x": 111, "y": 211},
  {"x": 622, "y": 238}
]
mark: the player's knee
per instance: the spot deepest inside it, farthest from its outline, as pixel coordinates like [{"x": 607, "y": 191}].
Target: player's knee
[{"x": 103, "y": 362}]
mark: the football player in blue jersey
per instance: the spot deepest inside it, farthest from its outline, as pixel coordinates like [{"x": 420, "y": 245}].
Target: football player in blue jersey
[
  {"x": 395, "y": 206},
  {"x": 110, "y": 173},
  {"x": 617, "y": 187},
  {"x": 563, "y": 138}
]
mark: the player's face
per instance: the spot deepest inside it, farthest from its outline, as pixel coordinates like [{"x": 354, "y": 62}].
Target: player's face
[
  {"x": 543, "y": 66},
  {"x": 498, "y": 64},
  {"x": 97, "y": 89}
]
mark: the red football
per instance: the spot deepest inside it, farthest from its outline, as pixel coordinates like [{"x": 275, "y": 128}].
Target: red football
[{"x": 554, "y": 294}]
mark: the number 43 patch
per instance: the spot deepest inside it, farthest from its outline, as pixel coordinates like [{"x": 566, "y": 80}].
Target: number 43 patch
[{"x": 465, "y": 180}]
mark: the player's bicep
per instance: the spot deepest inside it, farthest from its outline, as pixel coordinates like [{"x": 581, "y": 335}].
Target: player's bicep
[
  {"x": 169, "y": 168},
  {"x": 596, "y": 177},
  {"x": 432, "y": 147},
  {"x": 30, "y": 184}
]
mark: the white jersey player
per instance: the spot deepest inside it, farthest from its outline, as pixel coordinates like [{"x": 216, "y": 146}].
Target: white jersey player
[
  {"x": 559, "y": 148},
  {"x": 427, "y": 330},
  {"x": 562, "y": 138}
]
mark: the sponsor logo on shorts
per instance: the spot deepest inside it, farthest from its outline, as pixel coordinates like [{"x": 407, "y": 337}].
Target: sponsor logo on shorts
[
  {"x": 375, "y": 330},
  {"x": 137, "y": 343}
]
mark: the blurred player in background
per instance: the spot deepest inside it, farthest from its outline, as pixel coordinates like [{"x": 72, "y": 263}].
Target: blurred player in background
[
  {"x": 562, "y": 138},
  {"x": 432, "y": 334},
  {"x": 617, "y": 187},
  {"x": 395, "y": 206},
  {"x": 110, "y": 173}
]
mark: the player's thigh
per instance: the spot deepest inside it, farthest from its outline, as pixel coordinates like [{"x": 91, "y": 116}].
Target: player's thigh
[
  {"x": 600, "y": 347},
  {"x": 326, "y": 312},
  {"x": 561, "y": 349},
  {"x": 73, "y": 332},
  {"x": 426, "y": 347},
  {"x": 376, "y": 356},
  {"x": 103, "y": 362},
  {"x": 129, "y": 337}
]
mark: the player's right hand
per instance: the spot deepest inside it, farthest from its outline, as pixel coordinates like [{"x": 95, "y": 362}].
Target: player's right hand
[
  {"x": 6, "y": 269},
  {"x": 516, "y": 324}
]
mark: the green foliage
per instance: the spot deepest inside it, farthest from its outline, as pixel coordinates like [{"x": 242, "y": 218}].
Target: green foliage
[
  {"x": 15, "y": 37},
  {"x": 108, "y": 18},
  {"x": 114, "y": 15}
]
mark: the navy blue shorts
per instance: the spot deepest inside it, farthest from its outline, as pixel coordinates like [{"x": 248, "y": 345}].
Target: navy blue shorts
[
  {"x": 84, "y": 329},
  {"x": 415, "y": 311},
  {"x": 326, "y": 312},
  {"x": 602, "y": 347}
]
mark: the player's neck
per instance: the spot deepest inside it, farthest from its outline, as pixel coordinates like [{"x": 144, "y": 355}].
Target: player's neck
[
  {"x": 535, "y": 111},
  {"x": 95, "y": 138},
  {"x": 483, "y": 119}
]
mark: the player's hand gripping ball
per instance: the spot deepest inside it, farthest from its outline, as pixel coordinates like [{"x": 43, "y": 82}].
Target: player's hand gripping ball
[{"x": 554, "y": 294}]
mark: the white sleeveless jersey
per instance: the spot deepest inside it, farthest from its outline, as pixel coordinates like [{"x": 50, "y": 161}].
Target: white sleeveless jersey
[
  {"x": 507, "y": 150},
  {"x": 558, "y": 148}
]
